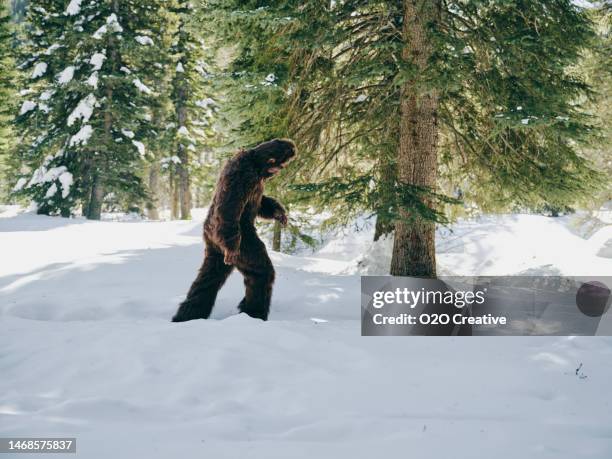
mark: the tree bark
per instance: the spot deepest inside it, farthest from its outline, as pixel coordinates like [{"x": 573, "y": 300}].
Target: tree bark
[
  {"x": 184, "y": 184},
  {"x": 153, "y": 203},
  {"x": 94, "y": 211},
  {"x": 174, "y": 198},
  {"x": 276, "y": 237},
  {"x": 414, "y": 251},
  {"x": 382, "y": 228}
]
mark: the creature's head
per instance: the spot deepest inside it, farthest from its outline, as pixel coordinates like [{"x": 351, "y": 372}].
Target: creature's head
[{"x": 272, "y": 156}]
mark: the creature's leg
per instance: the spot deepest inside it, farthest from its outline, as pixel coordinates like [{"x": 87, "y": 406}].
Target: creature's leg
[
  {"x": 256, "y": 267},
  {"x": 203, "y": 292}
]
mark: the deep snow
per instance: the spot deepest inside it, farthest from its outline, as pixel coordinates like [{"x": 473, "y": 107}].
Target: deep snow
[{"x": 87, "y": 350}]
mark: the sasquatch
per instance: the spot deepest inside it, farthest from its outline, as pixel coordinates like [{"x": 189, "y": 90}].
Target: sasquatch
[{"x": 230, "y": 236}]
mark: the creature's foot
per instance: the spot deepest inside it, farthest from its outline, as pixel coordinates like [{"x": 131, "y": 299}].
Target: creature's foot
[
  {"x": 189, "y": 311},
  {"x": 254, "y": 312}
]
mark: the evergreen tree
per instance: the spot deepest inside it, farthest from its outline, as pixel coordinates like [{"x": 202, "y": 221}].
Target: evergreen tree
[
  {"x": 397, "y": 102},
  {"x": 256, "y": 91},
  {"x": 7, "y": 94},
  {"x": 194, "y": 109},
  {"x": 598, "y": 66},
  {"x": 86, "y": 111}
]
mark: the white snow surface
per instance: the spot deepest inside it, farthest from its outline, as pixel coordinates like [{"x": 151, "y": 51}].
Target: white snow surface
[
  {"x": 52, "y": 48},
  {"x": 39, "y": 69},
  {"x": 46, "y": 95},
  {"x": 141, "y": 86},
  {"x": 87, "y": 350},
  {"x": 26, "y": 107},
  {"x": 51, "y": 191},
  {"x": 66, "y": 179},
  {"x": 144, "y": 40},
  {"x": 129, "y": 134},
  {"x": 66, "y": 75},
  {"x": 83, "y": 110},
  {"x": 73, "y": 8},
  {"x": 112, "y": 25},
  {"x": 20, "y": 184},
  {"x": 83, "y": 136},
  {"x": 97, "y": 60},
  {"x": 44, "y": 175},
  {"x": 140, "y": 147},
  {"x": 92, "y": 80}
]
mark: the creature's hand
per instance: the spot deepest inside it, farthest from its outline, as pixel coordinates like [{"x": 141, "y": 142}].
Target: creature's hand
[
  {"x": 281, "y": 216},
  {"x": 231, "y": 257}
]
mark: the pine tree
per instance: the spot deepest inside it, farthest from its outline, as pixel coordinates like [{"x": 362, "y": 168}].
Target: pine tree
[
  {"x": 399, "y": 103},
  {"x": 8, "y": 92},
  {"x": 598, "y": 66},
  {"x": 194, "y": 109},
  {"x": 86, "y": 111},
  {"x": 256, "y": 91}
]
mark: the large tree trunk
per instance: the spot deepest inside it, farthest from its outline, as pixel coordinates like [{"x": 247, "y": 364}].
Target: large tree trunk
[
  {"x": 94, "y": 209},
  {"x": 174, "y": 197},
  {"x": 153, "y": 203},
  {"x": 414, "y": 252},
  {"x": 382, "y": 228},
  {"x": 184, "y": 184}
]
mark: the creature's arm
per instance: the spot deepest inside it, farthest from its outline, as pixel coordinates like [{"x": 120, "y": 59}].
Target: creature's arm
[
  {"x": 271, "y": 209},
  {"x": 230, "y": 207}
]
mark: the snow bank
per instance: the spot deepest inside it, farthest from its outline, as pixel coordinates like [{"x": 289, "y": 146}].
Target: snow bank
[{"x": 494, "y": 245}]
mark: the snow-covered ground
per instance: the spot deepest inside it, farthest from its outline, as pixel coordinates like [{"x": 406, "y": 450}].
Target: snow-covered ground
[{"x": 87, "y": 350}]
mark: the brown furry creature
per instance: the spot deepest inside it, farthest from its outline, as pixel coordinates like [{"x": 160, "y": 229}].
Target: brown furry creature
[{"x": 230, "y": 236}]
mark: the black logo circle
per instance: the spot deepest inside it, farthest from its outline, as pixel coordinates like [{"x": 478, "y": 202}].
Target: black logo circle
[{"x": 593, "y": 298}]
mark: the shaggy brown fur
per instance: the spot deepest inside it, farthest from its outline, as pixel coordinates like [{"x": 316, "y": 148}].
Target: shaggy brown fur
[{"x": 230, "y": 236}]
